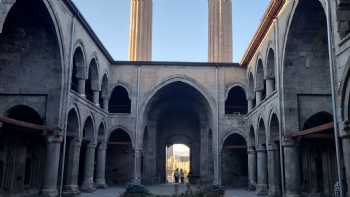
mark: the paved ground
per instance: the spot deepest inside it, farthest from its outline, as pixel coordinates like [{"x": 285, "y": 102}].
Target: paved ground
[{"x": 166, "y": 189}]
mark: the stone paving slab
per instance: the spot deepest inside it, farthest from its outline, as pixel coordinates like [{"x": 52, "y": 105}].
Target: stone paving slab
[{"x": 166, "y": 189}]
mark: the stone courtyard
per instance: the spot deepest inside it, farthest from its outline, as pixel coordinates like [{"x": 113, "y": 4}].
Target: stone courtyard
[{"x": 164, "y": 189}]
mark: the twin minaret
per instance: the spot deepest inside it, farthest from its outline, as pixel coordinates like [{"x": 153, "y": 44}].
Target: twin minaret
[{"x": 219, "y": 36}]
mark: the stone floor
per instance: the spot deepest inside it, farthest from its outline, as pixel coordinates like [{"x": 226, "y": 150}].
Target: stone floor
[{"x": 166, "y": 189}]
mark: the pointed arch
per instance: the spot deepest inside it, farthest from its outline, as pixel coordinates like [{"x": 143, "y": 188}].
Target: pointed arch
[{"x": 119, "y": 101}]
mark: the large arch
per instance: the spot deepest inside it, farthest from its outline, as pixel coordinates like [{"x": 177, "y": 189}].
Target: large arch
[
  {"x": 23, "y": 153},
  {"x": 167, "y": 115},
  {"x": 30, "y": 45},
  {"x": 234, "y": 162},
  {"x": 120, "y": 160}
]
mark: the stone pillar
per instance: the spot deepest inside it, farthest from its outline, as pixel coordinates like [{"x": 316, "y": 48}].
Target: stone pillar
[
  {"x": 88, "y": 182},
  {"x": 274, "y": 171},
  {"x": 292, "y": 169},
  {"x": 101, "y": 166},
  {"x": 220, "y": 31},
  {"x": 70, "y": 187},
  {"x": 270, "y": 86},
  {"x": 140, "y": 35},
  {"x": 81, "y": 87},
  {"x": 252, "y": 168},
  {"x": 258, "y": 94},
  {"x": 261, "y": 187},
  {"x": 137, "y": 165},
  {"x": 250, "y": 105},
  {"x": 105, "y": 104},
  {"x": 96, "y": 98},
  {"x": 53, "y": 148},
  {"x": 204, "y": 164}
]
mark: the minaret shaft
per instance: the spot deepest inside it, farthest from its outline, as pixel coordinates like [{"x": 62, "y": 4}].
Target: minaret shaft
[
  {"x": 220, "y": 31},
  {"x": 140, "y": 35}
]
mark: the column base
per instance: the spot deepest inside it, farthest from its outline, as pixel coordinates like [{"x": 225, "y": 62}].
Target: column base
[
  {"x": 251, "y": 187},
  {"x": 49, "y": 193},
  {"x": 101, "y": 184},
  {"x": 88, "y": 187},
  {"x": 274, "y": 192},
  {"x": 261, "y": 190},
  {"x": 71, "y": 190},
  {"x": 289, "y": 194}
]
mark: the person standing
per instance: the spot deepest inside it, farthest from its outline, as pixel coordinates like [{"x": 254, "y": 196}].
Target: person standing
[
  {"x": 176, "y": 175},
  {"x": 182, "y": 176}
]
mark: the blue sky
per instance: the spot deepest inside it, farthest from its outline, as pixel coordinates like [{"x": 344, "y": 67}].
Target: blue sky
[{"x": 180, "y": 29}]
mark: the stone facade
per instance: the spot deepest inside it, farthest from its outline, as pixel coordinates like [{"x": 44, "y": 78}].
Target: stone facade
[{"x": 73, "y": 119}]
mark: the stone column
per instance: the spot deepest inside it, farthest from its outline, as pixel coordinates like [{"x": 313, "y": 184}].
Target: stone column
[
  {"x": 258, "y": 94},
  {"x": 70, "y": 187},
  {"x": 261, "y": 187},
  {"x": 252, "y": 168},
  {"x": 53, "y": 148},
  {"x": 105, "y": 104},
  {"x": 137, "y": 165},
  {"x": 96, "y": 97},
  {"x": 274, "y": 171},
  {"x": 81, "y": 87},
  {"x": 250, "y": 105},
  {"x": 270, "y": 86},
  {"x": 204, "y": 164},
  {"x": 101, "y": 166},
  {"x": 88, "y": 181},
  {"x": 292, "y": 169}
]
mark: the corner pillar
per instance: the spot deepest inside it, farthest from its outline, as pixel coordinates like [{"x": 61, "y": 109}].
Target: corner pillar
[
  {"x": 292, "y": 169},
  {"x": 70, "y": 187},
  {"x": 96, "y": 98},
  {"x": 53, "y": 148},
  {"x": 81, "y": 87},
  {"x": 258, "y": 94},
  {"x": 88, "y": 182},
  {"x": 137, "y": 166},
  {"x": 252, "y": 168},
  {"x": 270, "y": 86},
  {"x": 274, "y": 171},
  {"x": 261, "y": 187},
  {"x": 101, "y": 166}
]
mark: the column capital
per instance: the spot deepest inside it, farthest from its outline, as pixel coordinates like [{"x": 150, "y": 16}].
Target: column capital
[
  {"x": 55, "y": 136},
  {"x": 261, "y": 148}
]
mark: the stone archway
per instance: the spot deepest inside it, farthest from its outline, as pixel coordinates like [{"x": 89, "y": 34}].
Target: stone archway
[
  {"x": 177, "y": 109},
  {"x": 235, "y": 162}
]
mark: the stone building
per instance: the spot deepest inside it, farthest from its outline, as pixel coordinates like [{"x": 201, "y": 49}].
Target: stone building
[{"x": 73, "y": 119}]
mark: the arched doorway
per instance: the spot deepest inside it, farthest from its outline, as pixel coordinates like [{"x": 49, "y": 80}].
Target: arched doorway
[
  {"x": 177, "y": 109},
  {"x": 177, "y": 163},
  {"x": 235, "y": 162},
  {"x": 318, "y": 157},
  {"x": 120, "y": 101},
  {"x": 236, "y": 101},
  {"x": 120, "y": 160},
  {"x": 22, "y": 154}
]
